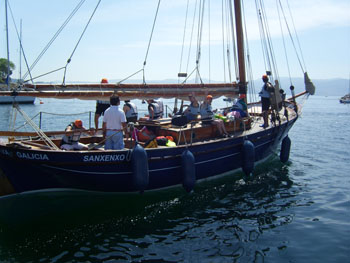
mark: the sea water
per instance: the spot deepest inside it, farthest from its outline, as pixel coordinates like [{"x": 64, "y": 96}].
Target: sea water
[{"x": 293, "y": 212}]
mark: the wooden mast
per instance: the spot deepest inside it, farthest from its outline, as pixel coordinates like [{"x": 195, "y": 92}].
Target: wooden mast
[{"x": 240, "y": 47}]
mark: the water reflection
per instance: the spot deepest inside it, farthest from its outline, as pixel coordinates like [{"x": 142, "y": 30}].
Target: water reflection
[{"x": 222, "y": 221}]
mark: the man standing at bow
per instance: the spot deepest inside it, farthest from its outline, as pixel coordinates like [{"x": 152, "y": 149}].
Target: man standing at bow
[{"x": 265, "y": 99}]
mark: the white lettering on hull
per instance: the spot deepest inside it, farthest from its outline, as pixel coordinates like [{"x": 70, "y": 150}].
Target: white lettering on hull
[
  {"x": 32, "y": 156},
  {"x": 104, "y": 158},
  {"x": 5, "y": 152}
]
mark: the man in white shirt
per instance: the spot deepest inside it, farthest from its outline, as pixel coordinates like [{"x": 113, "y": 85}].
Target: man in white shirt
[{"x": 114, "y": 122}]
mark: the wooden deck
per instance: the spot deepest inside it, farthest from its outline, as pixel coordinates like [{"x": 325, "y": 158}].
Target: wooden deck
[{"x": 195, "y": 131}]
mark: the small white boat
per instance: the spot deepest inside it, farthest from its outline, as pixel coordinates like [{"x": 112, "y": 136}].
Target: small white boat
[{"x": 18, "y": 99}]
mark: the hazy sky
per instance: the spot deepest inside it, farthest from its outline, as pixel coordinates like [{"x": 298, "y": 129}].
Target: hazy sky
[{"x": 115, "y": 43}]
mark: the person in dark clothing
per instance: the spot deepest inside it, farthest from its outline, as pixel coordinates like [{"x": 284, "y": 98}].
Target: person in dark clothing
[
  {"x": 101, "y": 106},
  {"x": 266, "y": 89}
]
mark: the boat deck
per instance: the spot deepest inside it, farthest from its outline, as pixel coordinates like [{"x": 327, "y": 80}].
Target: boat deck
[{"x": 193, "y": 132}]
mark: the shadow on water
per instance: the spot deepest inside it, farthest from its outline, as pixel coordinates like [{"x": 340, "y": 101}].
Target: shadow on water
[{"x": 222, "y": 220}]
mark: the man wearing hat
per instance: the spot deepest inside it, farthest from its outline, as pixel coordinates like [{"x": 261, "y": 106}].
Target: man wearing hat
[{"x": 70, "y": 141}]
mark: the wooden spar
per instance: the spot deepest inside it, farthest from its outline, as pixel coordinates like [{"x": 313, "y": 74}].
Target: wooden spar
[
  {"x": 35, "y": 134},
  {"x": 27, "y": 134},
  {"x": 240, "y": 45},
  {"x": 298, "y": 95},
  {"x": 125, "y": 91}
]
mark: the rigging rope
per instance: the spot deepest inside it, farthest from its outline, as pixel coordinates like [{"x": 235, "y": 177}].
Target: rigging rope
[
  {"x": 81, "y": 36},
  {"x": 199, "y": 37},
  {"x": 266, "y": 39},
  {"x": 181, "y": 56},
  {"x": 227, "y": 39},
  {"x": 191, "y": 38},
  {"x": 284, "y": 44},
  {"x": 41, "y": 134},
  {"x": 223, "y": 38},
  {"x": 184, "y": 36},
  {"x": 291, "y": 37},
  {"x": 54, "y": 37},
  {"x": 150, "y": 40},
  {"x": 20, "y": 40},
  {"x": 252, "y": 92},
  {"x": 209, "y": 41},
  {"x": 47, "y": 73}
]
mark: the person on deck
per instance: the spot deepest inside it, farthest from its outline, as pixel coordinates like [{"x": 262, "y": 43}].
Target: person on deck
[
  {"x": 155, "y": 109},
  {"x": 130, "y": 111},
  {"x": 239, "y": 108},
  {"x": 207, "y": 116},
  {"x": 265, "y": 99},
  {"x": 101, "y": 106},
  {"x": 193, "y": 109},
  {"x": 70, "y": 141},
  {"x": 114, "y": 123}
]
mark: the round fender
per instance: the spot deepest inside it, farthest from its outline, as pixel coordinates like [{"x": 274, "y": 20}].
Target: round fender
[
  {"x": 248, "y": 154},
  {"x": 285, "y": 149},
  {"x": 188, "y": 170},
  {"x": 139, "y": 162}
]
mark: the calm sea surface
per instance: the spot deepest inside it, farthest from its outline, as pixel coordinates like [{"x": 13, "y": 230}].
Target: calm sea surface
[{"x": 294, "y": 212}]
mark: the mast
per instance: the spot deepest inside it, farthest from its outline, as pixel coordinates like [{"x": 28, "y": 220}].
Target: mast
[
  {"x": 8, "y": 51},
  {"x": 240, "y": 46}
]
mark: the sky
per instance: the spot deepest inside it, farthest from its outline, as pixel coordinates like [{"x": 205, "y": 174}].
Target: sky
[{"x": 115, "y": 43}]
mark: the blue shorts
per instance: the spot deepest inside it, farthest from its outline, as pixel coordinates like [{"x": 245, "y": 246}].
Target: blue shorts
[{"x": 115, "y": 142}]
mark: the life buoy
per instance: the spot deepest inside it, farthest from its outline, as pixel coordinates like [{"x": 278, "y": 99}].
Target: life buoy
[
  {"x": 140, "y": 173},
  {"x": 285, "y": 149},
  {"x": 248, "y": 157},
  {"x": 188, "y": 170}
]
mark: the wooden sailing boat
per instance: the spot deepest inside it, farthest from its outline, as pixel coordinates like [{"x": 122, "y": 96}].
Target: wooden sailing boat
[{"x": 199, "y": 153}]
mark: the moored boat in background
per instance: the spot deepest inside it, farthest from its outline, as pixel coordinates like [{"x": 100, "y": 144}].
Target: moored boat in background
[
  {"x": 345, "y": 99},
  {"x": 17, "y": 99}
]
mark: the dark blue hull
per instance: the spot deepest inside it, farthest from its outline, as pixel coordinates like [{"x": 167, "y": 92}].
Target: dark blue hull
[{"x": 111, "y": 171}]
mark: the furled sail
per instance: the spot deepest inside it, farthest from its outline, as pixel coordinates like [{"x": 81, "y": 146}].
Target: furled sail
[
  {"x": 309, "y": 86},
  {"x": 125, "y": 91}
]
